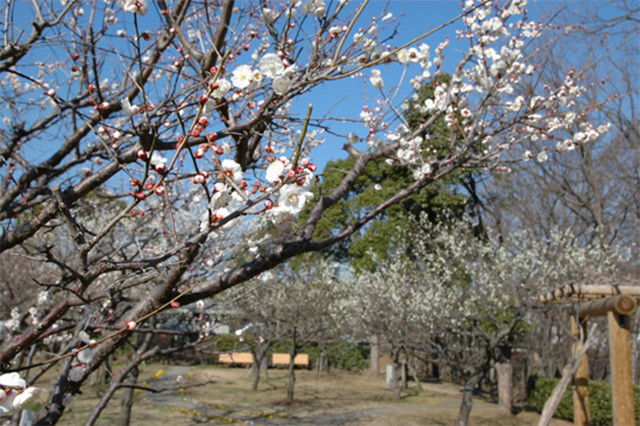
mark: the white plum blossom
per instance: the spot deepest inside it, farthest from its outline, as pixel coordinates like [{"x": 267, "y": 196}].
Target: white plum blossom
[
  {"x": 223, "y": 87},
  {"x": 566, "y": 145},
  {"x": 315, "y": 7},
  {"x": 275, "y": 169},
  {"x": 134, "y": 6},
  {"x": 293, "y": 197},
  {"x": 85, "y": 355},
  {"x": 76, "y": 373},
  {"x": 232, "y": 170},
  {"x": 156, "y": 159},
  {"x": 376, "y": 79},
  {"x": 271, "y": 65},
  {"x": 268, "y": 16},
  {"x": 242, "y": 76},
  {"x": 282, "y": 218},
  {"x": 12, "y": 380},
  {"x": 128, "y": 109},
  {"x": 14, "y": 393},
  {"x": 422, "y": 171},
  {"x": 542, "y": 157},
  {"x": 25, "y": 398},
  {"x": 281, "y": 85}
]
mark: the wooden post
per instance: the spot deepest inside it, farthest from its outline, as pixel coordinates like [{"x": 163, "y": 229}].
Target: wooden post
[
  {"x": 620, "y": 357},
  {"x": 581, "y": 410}
]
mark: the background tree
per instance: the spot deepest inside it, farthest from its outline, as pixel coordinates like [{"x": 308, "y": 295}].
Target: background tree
[
  {"x": 465, "y": 301},
  {"x": 292, "y": 307}
]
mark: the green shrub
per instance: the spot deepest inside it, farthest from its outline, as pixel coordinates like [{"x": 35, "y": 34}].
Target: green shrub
[
  {"x": 539, "y": 390},
  {"x": 348, "y": 356}
]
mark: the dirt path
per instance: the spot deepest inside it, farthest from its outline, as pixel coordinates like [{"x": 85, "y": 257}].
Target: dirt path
[{"x": 368, "y": 415}]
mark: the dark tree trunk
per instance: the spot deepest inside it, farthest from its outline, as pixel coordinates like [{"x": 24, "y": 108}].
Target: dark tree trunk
[
  {"x": 414, "y": 372},
  {"x": 467, "y": 399},
  {"x": 259, "y": 358},
  {"x": 292, "y": 378},
  {"x": 395, "y": 362},
  {"x": 256, "y": 376},
  {"x": 465, "y": 407},
  {"x": 127, "y": 400}
]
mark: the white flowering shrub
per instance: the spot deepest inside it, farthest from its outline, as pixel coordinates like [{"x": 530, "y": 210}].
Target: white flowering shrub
[{"x": 153, "y": 153}]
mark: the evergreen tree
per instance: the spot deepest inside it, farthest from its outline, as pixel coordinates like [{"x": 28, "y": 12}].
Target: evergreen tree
[{"x": 441, "y": 200}]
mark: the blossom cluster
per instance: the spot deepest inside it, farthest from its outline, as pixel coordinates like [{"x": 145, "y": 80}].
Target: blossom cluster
[{"x": 15, "y": 393}]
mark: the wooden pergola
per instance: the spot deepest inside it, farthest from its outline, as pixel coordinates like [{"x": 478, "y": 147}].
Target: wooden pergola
[{"x": 617, "y": 303}]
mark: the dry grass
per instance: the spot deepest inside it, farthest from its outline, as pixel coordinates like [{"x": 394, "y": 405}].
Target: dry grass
[{"x": 337, "y": 398}]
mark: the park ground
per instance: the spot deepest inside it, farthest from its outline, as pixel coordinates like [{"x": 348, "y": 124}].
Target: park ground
[{"x": 336, "y": 398}]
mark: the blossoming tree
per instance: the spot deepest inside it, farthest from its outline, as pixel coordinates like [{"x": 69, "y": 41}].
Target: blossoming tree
[
  {"x": 152, "y": 154},
  {"x": 466, "y": 301}
]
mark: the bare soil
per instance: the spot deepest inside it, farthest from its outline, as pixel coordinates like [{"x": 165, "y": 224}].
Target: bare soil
[{"x": 337, "y": 398}]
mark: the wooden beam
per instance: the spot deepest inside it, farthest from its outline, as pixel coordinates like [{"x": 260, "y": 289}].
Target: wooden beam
[
  {"x": 588, "y": 291},
  {"x": 620, "y": 358},
  {"x": 621, "y": 305},
  {"x": 581, "y": 409}
]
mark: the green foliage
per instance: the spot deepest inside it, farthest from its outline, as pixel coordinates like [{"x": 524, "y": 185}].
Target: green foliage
[
  {"x": 539, "y": 390},
  {"x": 348, "y": 356},
  {"x": 436, "y": 200}
]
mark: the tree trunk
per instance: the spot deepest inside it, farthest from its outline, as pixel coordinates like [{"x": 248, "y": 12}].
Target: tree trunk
[
  {"x": 465, "y": 407},
  {"x": 505, "y": 387},
  {"x": 320, "y": 364},
  {"x": 292, "y": 378},
  {"x": 127, "y": 400},
  {"x": 414, "y": 372},
  {"x": 374, "y": 368},
  {"x": 467, "y": 398},
  {"x": 256, "y": 375},
  {"x": 264, "y": 366},
  {"x": 403, "y": 374},
  {"x": 394, "y": 374}
]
